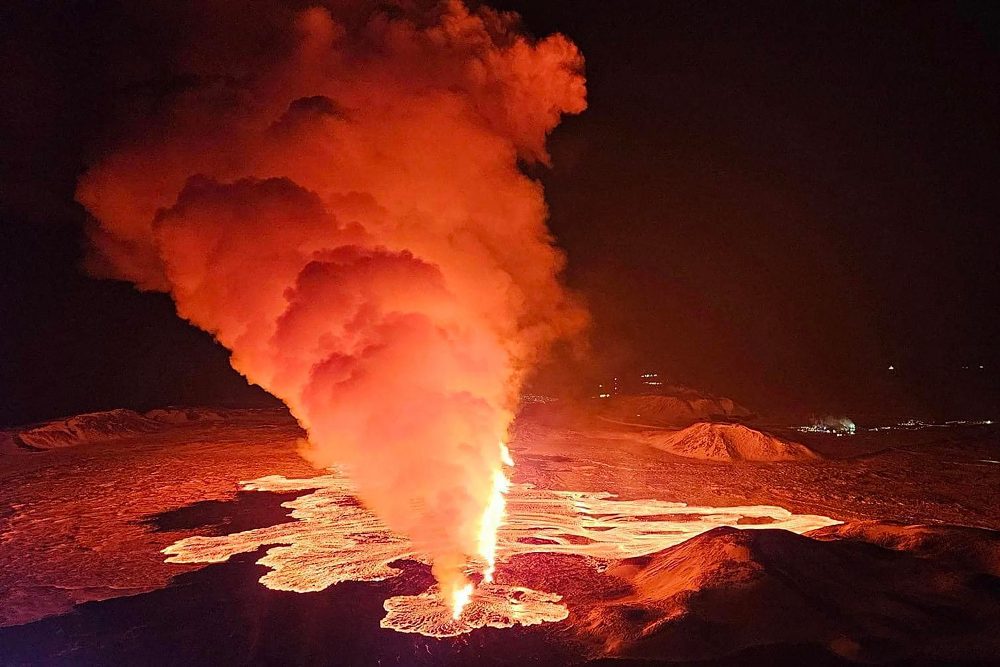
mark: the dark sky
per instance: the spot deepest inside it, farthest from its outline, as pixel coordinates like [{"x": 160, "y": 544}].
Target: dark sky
[{"x": 773, "y": 201}]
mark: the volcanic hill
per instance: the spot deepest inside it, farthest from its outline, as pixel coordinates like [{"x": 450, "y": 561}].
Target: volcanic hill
[{"x": 728, "y": 442}]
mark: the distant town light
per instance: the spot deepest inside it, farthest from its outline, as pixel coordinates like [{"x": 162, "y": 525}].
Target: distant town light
[{"x": 833, "y": 425}]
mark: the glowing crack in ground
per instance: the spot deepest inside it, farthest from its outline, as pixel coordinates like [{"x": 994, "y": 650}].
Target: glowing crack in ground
[{"x": 335, "y": 539}]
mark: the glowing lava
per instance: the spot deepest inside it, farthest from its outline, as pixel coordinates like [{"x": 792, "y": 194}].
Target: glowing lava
[
  {"x": 459, "y": 599},
  {"x": 335, "y": 539},
  {"x": 492, "y": 606},
  {"x": 494, "y": 515},
  {"x": 489, "y": 524}
]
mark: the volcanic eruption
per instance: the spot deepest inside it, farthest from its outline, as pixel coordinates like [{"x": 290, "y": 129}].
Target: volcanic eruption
[{"x": 334, "y": 193}]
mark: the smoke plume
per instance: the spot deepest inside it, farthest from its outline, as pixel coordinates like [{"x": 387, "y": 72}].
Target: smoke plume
[{"x": 334, "y": 194}]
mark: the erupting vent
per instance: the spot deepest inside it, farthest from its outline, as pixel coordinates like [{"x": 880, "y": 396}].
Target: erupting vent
[{"x": 335, "y": 539}]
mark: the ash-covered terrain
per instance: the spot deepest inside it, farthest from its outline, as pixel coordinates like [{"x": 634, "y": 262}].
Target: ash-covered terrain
[{"x": 638, "y": 529}]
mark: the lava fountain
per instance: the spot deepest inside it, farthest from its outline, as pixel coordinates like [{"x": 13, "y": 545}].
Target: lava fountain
[
  {"x": 489, "y": 525},
  {"x": 334, "y": 193}
]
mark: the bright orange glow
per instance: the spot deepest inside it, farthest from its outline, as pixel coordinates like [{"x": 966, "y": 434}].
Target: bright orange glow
[
  {"x": 351, "y": 221},
  {"x": 334, "y": 539},
  {"x": 494, "y": 515},
  {"x": 505, "y": 456},
  {"x": 459, "y": 599}
]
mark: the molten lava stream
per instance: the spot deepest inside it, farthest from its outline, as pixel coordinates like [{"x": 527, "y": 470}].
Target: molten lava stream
[{"x": 334, "y": 539}]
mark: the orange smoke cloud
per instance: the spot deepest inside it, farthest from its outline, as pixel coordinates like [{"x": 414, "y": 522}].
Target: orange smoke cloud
[{"x": 346, "y": 214}]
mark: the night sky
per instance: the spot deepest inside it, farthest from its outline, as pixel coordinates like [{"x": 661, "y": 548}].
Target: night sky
[{"x": 771, "y": 201}]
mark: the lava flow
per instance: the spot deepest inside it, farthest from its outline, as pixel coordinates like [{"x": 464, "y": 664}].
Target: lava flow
[{"x": 335, "y": 539}]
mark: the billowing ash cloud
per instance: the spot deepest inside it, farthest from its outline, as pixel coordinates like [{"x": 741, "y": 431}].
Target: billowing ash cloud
[{"x": 337, "y": 199}]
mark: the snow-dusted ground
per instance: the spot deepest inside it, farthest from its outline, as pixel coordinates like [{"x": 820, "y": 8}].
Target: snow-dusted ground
[{"x": 88, "y": 523}]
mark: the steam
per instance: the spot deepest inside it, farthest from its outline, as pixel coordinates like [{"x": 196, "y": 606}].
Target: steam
[{"x": 343, "y": 210}]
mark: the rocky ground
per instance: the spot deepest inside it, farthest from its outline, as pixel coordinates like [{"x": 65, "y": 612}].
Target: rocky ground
[{"x": 86, "y": 508}]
